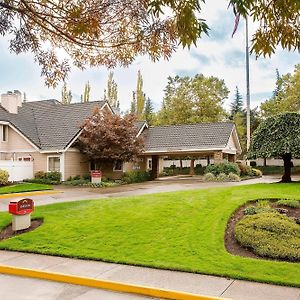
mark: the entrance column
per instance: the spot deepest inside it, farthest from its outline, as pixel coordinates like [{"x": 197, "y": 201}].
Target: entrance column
[
  {"x": 218, "y": 157},
  {"x": 155, "y": 166}
]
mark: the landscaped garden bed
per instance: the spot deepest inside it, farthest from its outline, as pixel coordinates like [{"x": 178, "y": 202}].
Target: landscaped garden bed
[
  {"x": 266, "y": 228},
  {"x": 178, "y": 231}
]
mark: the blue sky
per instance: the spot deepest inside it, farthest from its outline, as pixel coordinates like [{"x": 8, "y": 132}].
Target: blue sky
[{"x": 218, "y": 55}]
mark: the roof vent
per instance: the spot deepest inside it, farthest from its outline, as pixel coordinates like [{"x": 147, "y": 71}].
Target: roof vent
[{"x": 11, "y": 101}]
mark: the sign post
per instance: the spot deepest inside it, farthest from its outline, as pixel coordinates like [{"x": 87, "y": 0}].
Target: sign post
[
  {"x": 21, "y": 213},
  {"x": 96, "y": 176}
]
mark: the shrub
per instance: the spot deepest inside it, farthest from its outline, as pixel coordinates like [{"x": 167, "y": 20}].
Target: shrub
[
  {"x": 76, "y": 182},
  {"x": 253, "y": 210},
  {"x": 222, "y": 177},
  {"x": 225, "y": 168},
  {"x": 77, "y": 177},
  {"x": 54, "y": 176},
  {"x": 253, "y": 163},
  {"x": 136, "y": 176},
  {"x": 270, "y": 235},
  {"x": 234, "y": 177},
  {"x": 245, "y": 170},
  {"x": 39, "y": 174},
  {"x": 289, "y": 203},
  {"x": 87, "y": 177},
  {"x": 41, "y": 180},
  {"x": 4, "y": 177},
  {"x": 256, "y": 172},
  {"x": 250, "y": 210},
  {"x": 210, "y": 177}
]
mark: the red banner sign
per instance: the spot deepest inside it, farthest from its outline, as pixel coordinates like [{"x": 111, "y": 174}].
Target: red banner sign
[
  {"x": 96, "y": 174},
  {"x": 21, "y": 207}
]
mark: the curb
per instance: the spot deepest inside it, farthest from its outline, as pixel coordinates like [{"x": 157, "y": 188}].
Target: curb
[
  {"x": 26, "y": 194},
  {"x": 104, "y": 284}
]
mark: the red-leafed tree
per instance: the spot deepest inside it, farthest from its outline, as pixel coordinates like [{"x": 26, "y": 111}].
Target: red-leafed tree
[{"x": 110, "y": 137}]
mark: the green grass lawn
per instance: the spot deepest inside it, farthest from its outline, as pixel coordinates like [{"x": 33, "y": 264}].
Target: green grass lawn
[
  {"x": 178, "y": 231},
  {"x": 24, "y": 187}
]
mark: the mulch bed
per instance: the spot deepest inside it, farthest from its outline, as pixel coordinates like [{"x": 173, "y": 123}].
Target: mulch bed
[
  {"x": 7, "y": 232},
  {"x": 231, "y": 244}
]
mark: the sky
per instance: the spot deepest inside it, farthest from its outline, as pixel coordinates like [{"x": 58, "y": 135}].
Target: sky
[{"x": 218, "y": 55}]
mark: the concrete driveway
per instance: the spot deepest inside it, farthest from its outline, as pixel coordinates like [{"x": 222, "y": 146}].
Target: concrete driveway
[{"x": 168, "y": 184}]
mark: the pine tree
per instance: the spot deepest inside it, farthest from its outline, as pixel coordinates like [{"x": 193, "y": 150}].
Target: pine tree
[
  {"x": 278, "y": 88},
  {"x": 148, "y": 113},
  {"x": 140, "y": 97},
  {"x": 236, "y": 105},
  {"x": 133, "y": 104},
  {"x": 86, "y": 94},
  {"x": 111, "y": 93},
  {"x": 66, "y": 96}
]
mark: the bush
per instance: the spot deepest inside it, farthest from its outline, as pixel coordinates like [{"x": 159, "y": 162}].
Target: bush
[
  {"x": 256, "y": 172},
  {"x": 3, "y": 177},
  {"x": 41, "y": 180},
  {"x": 270, "y": 235},
  {"x": 39, "y": 174},
  {"x": 233, "y": 177},
  {"x": 245, "y": 170},
  {"x": 225, "y": 168},
  {"x": 54, "y": 176},
  {"x": 222, "y": 177},
  {"x": 136, "y": 176},
  {"x": 76, "y": 182},
  {"x": 88, "y": 177},
  {"x": 289, "y": 203},
  {"x": 250, "y": 210},
  {"x": 209, "y": 177},
  {"x": 252, "y": 163}
]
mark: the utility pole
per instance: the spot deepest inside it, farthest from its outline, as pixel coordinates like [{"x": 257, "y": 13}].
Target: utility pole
[{"x": 248, "y": 88}]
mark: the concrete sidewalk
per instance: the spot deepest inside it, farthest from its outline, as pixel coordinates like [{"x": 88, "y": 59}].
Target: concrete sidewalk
[{"x": 180, "y": 281}]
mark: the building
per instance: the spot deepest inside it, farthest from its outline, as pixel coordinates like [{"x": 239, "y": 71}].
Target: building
[{"x": 40, "y": 136}]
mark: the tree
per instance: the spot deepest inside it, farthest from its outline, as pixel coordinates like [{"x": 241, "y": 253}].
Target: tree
[
  {"x": 133, "y": 104},
  {"x": 193, "y": 100},
  {"x": 149, "y": 111},
  {"x": 286, "y": 97},
  {"x": 109, "y": 33},
  {"x": 110, "y": 137},
  {"x": 278, "y": 136},
  {"x": 140, "y": 97},
  {"x": 66, "y": 95},
  {"x": 111, "y": 93},
  {"x": 237, "y": 104},
  {"x": 86, "y": 93}
]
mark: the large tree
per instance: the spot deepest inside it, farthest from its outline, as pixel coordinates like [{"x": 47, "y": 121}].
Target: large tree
[
  {"x": 236, "y": 106},
  {"x": 110, "y": 137},
  {"x": 66, "y": 95},
  {"x": 286, "y": 97},
  {"x": 97, "y": 33},
  {"x": 111, "y": 93},
  {"x": 278, "y": 136},
  {"x": 193, "y": 100}
]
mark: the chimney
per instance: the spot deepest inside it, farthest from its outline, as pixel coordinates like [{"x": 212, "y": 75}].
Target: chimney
[{"x": 11, "y": 101}]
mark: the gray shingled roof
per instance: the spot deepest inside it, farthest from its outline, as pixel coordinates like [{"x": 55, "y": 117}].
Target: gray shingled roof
[
  {"x": 49, "y": 124},
  {"x": 198, "y": 136}
]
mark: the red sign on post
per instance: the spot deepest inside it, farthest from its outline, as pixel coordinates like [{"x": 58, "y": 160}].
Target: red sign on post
[
  {"x": 96, "y": 174},
  {"x": 21, "y": 207}
]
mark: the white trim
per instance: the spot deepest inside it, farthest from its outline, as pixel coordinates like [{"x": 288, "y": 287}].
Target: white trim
[
  {"x": 49, "y": 156},
  {"x": 58, "y": 152},
  {"x": 142, "y": 128},
  {"x": 235, "y": 137},
  {"x": 184, "y": 151},
  {"x": 73, "y": 140},
  {"x": 19, "y": 151},
  {"x": 106, "y": 104},
  {"x": 62, "y": 166}
]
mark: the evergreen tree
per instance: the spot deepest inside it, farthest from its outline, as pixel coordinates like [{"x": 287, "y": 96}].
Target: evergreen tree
[
  {"x": 66, "y": 96},
  {"x": 148, "y": 113},
  {"x": 278, "y": 88},
  {"x": 140, "y": 97},
  {"x": 86, "y": 94},
  {"x": 236, "y": 105},
  {"x": 133, "y": 104}
]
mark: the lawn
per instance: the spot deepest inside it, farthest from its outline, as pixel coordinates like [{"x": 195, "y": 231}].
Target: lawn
[
  {"x": 178, "y": 230},
  {"x": 24, "y": 187}
]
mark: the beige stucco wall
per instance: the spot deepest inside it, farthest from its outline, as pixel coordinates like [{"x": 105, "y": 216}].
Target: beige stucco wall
[{"x": 75, "y": 164}]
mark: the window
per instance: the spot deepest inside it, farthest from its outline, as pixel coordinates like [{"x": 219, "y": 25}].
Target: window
[
  {"x": 53, "y": 163},
  {"x": 4, "y": 133},
  {"x": 118, "y": 165}
]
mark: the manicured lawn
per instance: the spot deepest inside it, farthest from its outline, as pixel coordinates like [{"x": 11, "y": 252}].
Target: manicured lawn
[
  {"x": 179, "y": 230},
  {"x": 24, "y": 187}
]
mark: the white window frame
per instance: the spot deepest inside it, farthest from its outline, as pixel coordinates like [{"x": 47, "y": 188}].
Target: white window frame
[
  {"x": 114, "y": 167},
  {"x": 51, "y": 156}
]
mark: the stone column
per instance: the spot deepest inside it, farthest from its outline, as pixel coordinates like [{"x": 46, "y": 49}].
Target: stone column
[{"x": 218, "y": 157}]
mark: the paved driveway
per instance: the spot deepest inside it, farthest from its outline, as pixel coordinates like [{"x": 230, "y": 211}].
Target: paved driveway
[{"x": 162, "y": 185}]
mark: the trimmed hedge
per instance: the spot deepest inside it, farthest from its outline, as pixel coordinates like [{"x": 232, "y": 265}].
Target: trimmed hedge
[
  {"x": 225, "y": 168},
  {"x": 270, "y": 235},
  {"x": 3, "y": 177},
  {"x": 136, "y": 176}
]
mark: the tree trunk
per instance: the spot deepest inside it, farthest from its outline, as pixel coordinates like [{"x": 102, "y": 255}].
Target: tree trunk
[
  {"x": 208, "y": 160},
  {"x": 287, "y": 159},
  {"x": 180, "y": 161},
  {"x": 192, "y": 168},
  {"x": 265, "y": 162}
]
